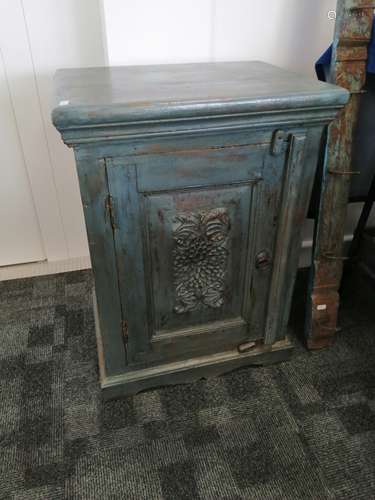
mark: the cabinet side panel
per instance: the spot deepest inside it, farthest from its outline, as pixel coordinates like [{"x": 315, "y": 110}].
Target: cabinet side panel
[
  {"x": 94, "y": 192},
  {"x": 308, "y": 170},
  {"x": 301, "y": 167},
  {"x": 290, "y": 220}
]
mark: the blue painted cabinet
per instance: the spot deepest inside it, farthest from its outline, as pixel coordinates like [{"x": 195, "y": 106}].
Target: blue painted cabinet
[{"x": 195, "y": 181}]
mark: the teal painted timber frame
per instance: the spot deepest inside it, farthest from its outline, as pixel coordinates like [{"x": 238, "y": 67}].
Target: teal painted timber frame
[{"x": 222, "y": 154}]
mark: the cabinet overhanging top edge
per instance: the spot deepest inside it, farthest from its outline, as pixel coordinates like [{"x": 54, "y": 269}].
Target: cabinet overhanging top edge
[
  {"x": 93, "y": 116},
  {"x": 92, "y": 97}
]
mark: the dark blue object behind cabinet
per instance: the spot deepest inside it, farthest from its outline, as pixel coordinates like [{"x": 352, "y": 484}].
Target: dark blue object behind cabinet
[{"x": 195, "y": 182}]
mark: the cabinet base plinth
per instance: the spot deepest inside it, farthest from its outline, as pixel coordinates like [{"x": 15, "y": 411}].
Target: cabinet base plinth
[
  {"x": 320, "y": 343},
  {"x": 193, "y": 369},
  {"x": 134, "y": 380}
]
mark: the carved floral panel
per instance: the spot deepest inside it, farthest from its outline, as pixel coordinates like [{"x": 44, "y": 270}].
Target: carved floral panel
[{"x": 200, "y": 259}]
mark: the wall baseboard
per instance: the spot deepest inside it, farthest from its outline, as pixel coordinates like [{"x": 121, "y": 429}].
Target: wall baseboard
[
  {"x": 306, "y": 250},
  {"x": 44, "y": 268},
  {"x": 78, "y": 263}
]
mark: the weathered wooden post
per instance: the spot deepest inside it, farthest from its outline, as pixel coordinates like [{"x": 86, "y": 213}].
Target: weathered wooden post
[{"x": 348, "y": 69}]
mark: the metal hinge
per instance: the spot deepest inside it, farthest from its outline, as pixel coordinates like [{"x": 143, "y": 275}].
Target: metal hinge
[
  {"x": 280, "y": 141},
  {"x": 124, "y": 329},
  {"x": 341, "y": 172},
  {"x": 110, "y": 211}
]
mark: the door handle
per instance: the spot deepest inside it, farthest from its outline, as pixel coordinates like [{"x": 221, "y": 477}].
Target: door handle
[{"x": 263, "y": 260}]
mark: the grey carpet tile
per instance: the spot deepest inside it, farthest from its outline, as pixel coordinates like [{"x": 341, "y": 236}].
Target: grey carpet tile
[{"x": 299, "y": 430}]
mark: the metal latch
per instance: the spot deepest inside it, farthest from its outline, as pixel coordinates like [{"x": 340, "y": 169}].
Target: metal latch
[
  {"x": 246, "y": 347},
  {"x": 279, "y": 142}
]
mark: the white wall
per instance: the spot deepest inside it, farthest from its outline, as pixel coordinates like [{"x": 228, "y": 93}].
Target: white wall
[
  {"x": 63, "y": 33},
  {"x": 21, "y": 239},
  {"x": 290, "y": 33},
  {"x": 36, "y": 38}
]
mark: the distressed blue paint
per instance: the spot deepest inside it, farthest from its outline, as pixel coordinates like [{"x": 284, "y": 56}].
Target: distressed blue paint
[{"x": 187, "y": 150}]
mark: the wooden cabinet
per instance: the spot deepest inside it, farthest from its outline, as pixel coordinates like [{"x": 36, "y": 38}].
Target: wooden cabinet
[{"x": 195, "y": 181}]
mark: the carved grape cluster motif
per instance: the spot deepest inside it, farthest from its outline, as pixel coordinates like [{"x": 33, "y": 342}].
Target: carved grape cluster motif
[{"x": 200, "y": 259}]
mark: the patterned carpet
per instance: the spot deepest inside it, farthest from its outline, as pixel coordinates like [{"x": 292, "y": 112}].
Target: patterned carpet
[{"x": 300, "y": 430}]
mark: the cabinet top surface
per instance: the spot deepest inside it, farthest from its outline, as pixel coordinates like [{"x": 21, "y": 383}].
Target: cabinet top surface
[{"x": 119, "y": 94}]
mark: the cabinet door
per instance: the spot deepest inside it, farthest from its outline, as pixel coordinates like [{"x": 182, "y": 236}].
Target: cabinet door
[{"x": 194, "y": 236}]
